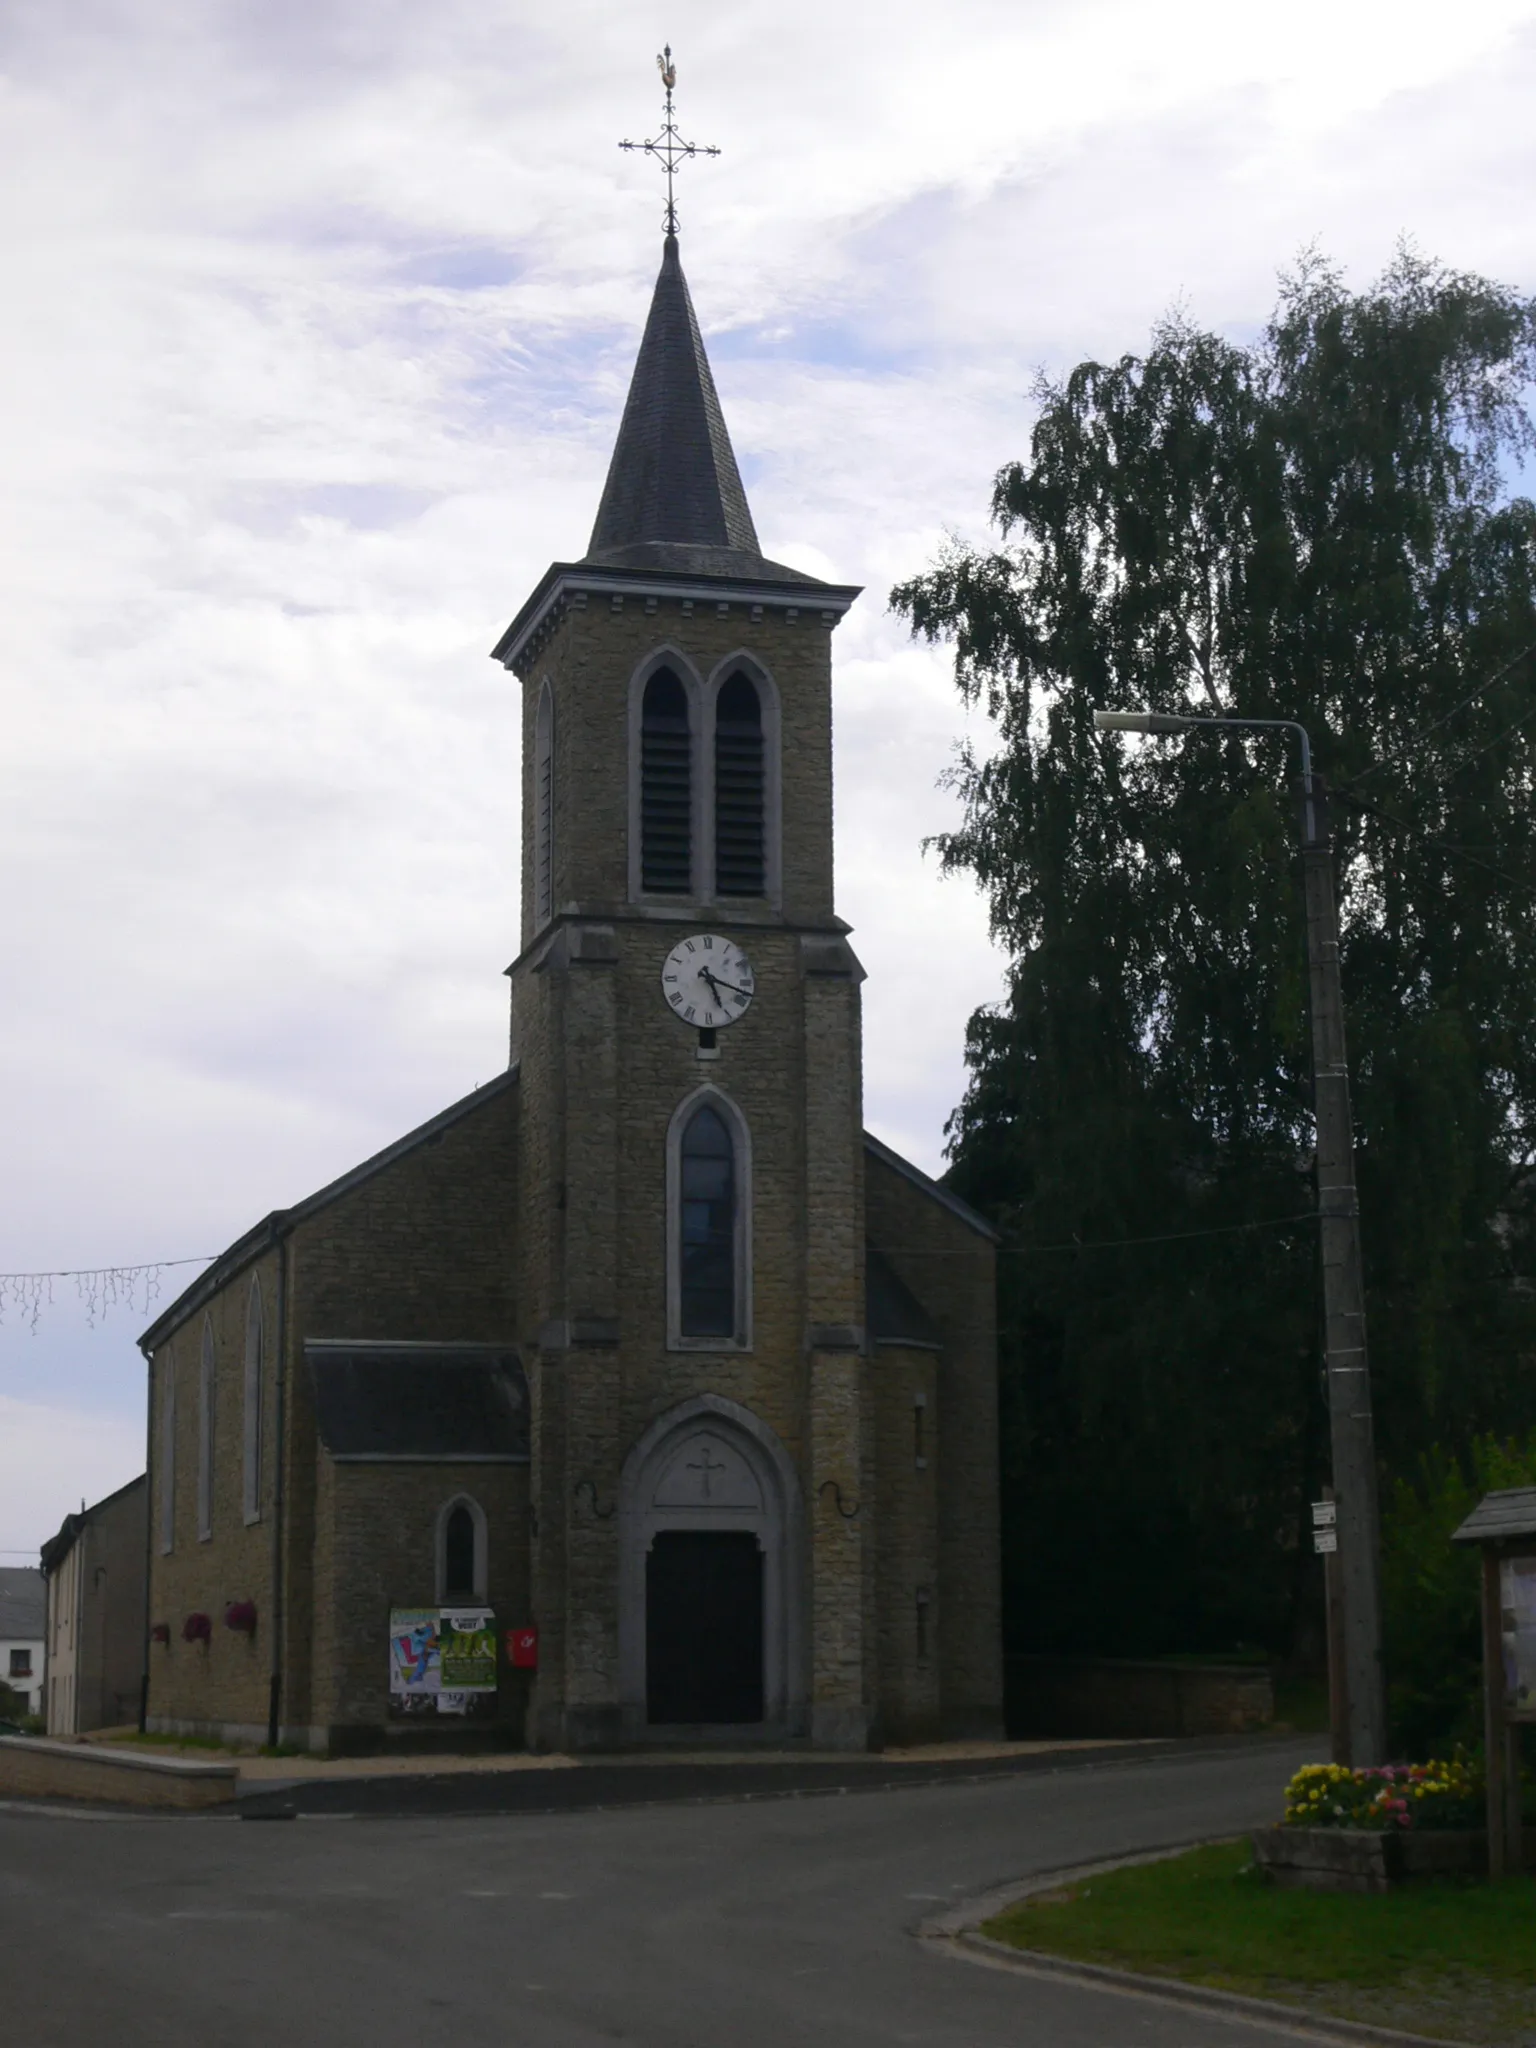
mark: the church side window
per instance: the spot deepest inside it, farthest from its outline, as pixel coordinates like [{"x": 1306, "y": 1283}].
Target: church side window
[
  {"x": 707, "y": 1227},
  {"x": 461, "y": 1551},
  {"x": 205, "y": 1392},
  {"x": 254, "y": 1376},
  {"x": 740, "y": 867},
  {"x": 666, "y": 788},
  {"x": 167, "y": 1454},
  {"x": 544, "y": 807}
]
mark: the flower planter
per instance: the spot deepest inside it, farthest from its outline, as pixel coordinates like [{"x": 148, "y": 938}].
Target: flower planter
[{"x": 1367, "y": 1859}]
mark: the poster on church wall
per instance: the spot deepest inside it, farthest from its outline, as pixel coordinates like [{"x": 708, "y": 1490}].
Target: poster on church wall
[
  {"x": 467, "y": 1648},
  {"x": 415, "y": 1656}
]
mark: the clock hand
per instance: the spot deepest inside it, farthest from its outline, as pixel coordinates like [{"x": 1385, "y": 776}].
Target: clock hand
[{"x": 706, "y": 974}]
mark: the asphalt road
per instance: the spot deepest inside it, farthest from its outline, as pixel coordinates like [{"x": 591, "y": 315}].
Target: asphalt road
[{"x": 764, "y": 1924}]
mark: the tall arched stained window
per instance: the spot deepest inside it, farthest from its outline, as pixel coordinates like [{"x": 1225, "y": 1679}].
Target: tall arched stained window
[
  {"x": 666, "y": 788},
  {"x": 544, "y": 807},
  {"x": 739, "y": 838},
  {"x": 707, "y": 1227}
]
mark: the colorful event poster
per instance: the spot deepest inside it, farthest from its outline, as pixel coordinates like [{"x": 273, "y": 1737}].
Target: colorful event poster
[
  {"x": 468, "y": 1650},
  {"x": 415, "y": 1650}
]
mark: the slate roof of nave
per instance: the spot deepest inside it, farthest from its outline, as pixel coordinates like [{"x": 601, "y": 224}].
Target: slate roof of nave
[{"x": 384, "y": 1402}]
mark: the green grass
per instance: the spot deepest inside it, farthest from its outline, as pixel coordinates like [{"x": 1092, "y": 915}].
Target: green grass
[
  {"x": 179, "y": 1742},
  {"x": 1457, "y": 1960}
]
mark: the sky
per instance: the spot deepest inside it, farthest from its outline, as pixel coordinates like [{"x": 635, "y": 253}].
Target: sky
[{"x": 316, "y": 326}]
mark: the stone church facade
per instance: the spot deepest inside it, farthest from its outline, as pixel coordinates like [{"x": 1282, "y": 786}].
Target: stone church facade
[{"x": 646, "y": 1349}]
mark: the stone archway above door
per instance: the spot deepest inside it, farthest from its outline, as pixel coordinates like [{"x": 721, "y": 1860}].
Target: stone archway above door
[{"x": 711, "y": 1464}]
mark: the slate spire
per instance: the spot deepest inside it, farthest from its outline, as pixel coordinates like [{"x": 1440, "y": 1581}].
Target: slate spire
[{"x": 673, "y": 499}]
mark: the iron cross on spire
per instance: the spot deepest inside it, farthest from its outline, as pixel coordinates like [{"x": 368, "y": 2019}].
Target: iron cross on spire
[{"x": 669, "y": 148}]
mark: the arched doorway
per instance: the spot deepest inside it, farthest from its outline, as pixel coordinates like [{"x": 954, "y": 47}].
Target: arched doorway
[{"x": 711, "y": 1593}]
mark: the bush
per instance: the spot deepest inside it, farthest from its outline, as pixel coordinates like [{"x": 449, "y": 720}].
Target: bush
[{"x": 1431, "y": 1596}]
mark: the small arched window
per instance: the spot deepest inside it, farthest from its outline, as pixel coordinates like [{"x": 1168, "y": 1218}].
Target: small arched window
[
  {"x": 254, "y": 1341},
  {"x": 707, "y": 1227},
  {"x": 205, "y": 1445},
  {"x": 544, "y": 807},
  {"x": 461, "y": 1552},
  {"x": 459, "y": 1555},
  {"x": 740, "y": 868},
  {"x": 666, "y": 788}
]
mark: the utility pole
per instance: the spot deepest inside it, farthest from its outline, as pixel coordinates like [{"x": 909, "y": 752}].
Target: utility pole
[
  {"x": 1363, "y": 1737},
  {"x": 1348, "y": 1372}
]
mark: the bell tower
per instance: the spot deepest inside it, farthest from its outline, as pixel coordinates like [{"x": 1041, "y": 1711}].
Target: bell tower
[{"x": 685, "y": 1021}]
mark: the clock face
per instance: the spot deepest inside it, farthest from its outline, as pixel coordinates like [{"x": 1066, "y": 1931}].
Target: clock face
[{"x": 707, "y": 981}]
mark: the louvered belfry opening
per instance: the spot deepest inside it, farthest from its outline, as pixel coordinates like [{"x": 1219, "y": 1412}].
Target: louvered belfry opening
[
  {"x": 666, "y": 788},
  {"x": 739, "y": 838}
]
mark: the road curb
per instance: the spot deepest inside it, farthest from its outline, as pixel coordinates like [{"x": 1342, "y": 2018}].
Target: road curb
[{"x": 954, "y": 1933}]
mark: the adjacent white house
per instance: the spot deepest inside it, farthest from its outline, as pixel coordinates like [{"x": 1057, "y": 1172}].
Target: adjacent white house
[{"x": 23, "y": 1632}]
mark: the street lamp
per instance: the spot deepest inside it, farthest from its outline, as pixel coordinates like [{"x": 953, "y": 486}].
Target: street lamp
[{"x": 1338, "y": 1211}]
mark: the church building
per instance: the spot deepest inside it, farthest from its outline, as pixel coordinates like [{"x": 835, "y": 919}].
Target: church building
[{"x": 641, "y": 1396}]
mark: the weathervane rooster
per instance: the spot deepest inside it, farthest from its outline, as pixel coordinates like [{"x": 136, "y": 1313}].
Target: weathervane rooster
[{"x": 669, "y": 148}]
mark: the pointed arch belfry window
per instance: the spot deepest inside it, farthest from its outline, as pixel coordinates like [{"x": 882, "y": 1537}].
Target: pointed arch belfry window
[
  {"x": 544, "y": 806},
  {"x": 666, "y": 787},
  {"x": 740, "y": 839}
]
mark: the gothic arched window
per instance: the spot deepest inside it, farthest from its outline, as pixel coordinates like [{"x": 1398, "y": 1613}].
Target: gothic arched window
[
  {"x": 666, "y": 788},
  {"x": 167, "y": 1475},
  {"x": 205, "y": 1446},
  {"x": 740, "y": 866},
  {"x": 707, "y": 1227},
  {"x": 461, "y": 1551},
  {"x": 544, "y": 807},
  {"x": 254, "y": 1377}
]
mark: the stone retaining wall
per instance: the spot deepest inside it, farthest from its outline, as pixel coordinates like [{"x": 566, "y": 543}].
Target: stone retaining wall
[
  {"x": 1112, "y": 1696},
  {"x": 34, "y": 1769}
]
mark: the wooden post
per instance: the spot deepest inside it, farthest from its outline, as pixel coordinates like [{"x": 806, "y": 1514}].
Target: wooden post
[
  {"x": 1338, "y": 1694},
  {"x": 1495, "y": 1741}
]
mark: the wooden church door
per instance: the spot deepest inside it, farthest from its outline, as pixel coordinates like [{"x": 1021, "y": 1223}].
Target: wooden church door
[{"x": 704, "y": 1626}]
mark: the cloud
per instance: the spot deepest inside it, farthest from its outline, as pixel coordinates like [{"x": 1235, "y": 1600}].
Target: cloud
[
  {"x": 38, "y": 1486},
  {"x": 317, "y": 324}
]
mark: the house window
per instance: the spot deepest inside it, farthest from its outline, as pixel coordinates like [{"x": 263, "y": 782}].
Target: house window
[
  {"x": 666, "y": 788},
  {"x": 461, "y": 1551},
  {"x": 167, "y": 1454},
  {"x": 205, "y": 1392},
  {"x": 740, "y": 868},
  {"x": 544, "y": 807},
  {"x": 21, "y": 1663},
  {"x": 254, "y": 1339}
]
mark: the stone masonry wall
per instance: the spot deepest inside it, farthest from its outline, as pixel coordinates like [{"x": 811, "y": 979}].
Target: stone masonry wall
[
  {"x": 952, "y": 1271},
  {"x": 905, "y": 1384},
  {"x": 380, "y": 1551},
  {"x": 422, "y": 1249},
  {"x": 223, "y": 1684}
]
